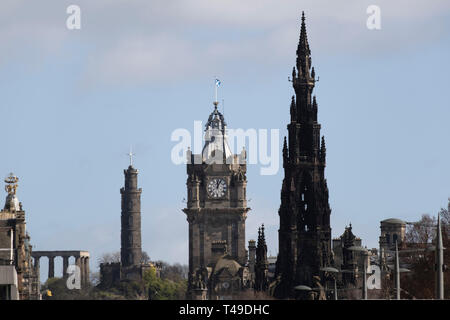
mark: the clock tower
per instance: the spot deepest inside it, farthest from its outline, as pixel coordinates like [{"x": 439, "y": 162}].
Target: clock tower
[{"x": 216, "y": 212}]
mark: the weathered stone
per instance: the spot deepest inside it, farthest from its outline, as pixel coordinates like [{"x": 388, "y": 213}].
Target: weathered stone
[
  {"x": 216, "y": 212},
  {"x": 305, "y": 232}
]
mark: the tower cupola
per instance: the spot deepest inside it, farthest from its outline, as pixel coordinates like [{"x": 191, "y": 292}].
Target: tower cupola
[{"x": 12, "y": 202}]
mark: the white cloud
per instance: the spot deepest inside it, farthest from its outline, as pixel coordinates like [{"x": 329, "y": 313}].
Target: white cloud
[
  {"x": 159, "y": 40},
  {"x": 138, "y": 58}
]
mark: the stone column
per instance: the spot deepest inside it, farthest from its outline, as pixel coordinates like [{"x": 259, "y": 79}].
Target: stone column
[
  {"x": 65, "y": 265},
  {"x": 37, "y": 263},
  {"x": 51, "y": 267},
  {"x": 83, "y": 271},
  {"x": 78, "y": 263},
  {"x": 86, "y": 270}
]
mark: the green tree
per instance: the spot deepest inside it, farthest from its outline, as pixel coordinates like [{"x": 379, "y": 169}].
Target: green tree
[
  {"x": 59, "y": 291},
  {"x": 420, "y": 282},
  {"x": 163, "y": 289}
]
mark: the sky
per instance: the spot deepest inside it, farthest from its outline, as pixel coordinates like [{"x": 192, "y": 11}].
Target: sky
[{"x": 74, "y": 101}]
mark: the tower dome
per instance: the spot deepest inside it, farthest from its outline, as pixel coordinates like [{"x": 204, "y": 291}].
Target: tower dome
[{"x": 12, "y": 202}]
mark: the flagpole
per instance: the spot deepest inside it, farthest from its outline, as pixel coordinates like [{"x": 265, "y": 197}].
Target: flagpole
[{"x": 215, "y": 88}]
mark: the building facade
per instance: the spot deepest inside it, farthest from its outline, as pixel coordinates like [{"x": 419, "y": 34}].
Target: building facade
[
  {"x": 305, "y": 232},
  {"x": 346, "y": 259},
  {"x": 18, "y": 277},
  {"x": 391, "y": 231}
]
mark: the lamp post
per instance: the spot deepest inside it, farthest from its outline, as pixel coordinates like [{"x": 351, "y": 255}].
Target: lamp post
[
  {"x": 439, "y": 262},
  {"x": 336, "y": 271},
  {"x": 398, "y": 270},
  {"x": 364, "y": 252}
]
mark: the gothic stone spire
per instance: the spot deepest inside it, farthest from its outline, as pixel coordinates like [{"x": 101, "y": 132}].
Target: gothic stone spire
[
  {"x": 303, "y": 80},
  {"x": 261, "y": 266},
  {"x": 305, "y": 232},
  {"x": 303, "y": 51}
]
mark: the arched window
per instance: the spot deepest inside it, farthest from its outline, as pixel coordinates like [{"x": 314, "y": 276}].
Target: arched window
[
  {"x": 304, "y": 196},
  {"x": 394, "y": 238},
  {"x": 388, "y": 238}
]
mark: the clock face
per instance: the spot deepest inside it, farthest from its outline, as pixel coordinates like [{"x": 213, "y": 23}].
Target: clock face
[{"x": 217, "y": 188}]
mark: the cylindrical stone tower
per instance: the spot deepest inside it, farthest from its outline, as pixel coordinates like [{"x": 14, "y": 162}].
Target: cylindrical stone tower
[{"x": 131, "y": 250}]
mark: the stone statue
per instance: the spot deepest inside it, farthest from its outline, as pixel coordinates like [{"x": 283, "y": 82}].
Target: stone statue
[{"x": 320, "y": 293}]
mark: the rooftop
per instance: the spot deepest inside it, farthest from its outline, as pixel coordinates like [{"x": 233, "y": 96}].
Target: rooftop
[{"x": 394, "y": 221}]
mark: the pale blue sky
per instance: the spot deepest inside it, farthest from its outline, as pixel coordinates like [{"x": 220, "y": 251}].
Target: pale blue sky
[{"x": 74, "y": 101}]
